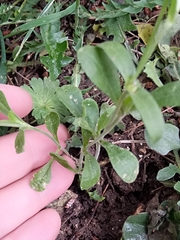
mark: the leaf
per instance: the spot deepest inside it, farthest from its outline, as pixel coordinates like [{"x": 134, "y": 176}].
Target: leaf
[
  {"x": 86, "y": 135},
  {"x": 52, "y": 121},
  {"x": 4, "y": 106},
  {"x": 167, "y": 53},
  {"x": 42, "y": 178},
  {"x": 135, "y": 227},
  {"x": 19, "y": 141},
  {"x": 120, "y": 57},
  {"x": 167, "y": 172},
  {"x": 53, "y": 65},
  {"x": 45, "y": 99},
  {"x": 150, "y": 70},
  {"x": 56, "y": 45},
  {"x": 62, "y": 161},
  {"x": 123, "y": 161},
  {"x": 168, "y": 95},
  {"x": 90, "y": 112},
  {"x": 145, "y": 31},
  {"x": 177, "y": 186},
  {"x": 100, "y": 70},
  {"x": 95, "y": 196},
  {"x": 174, "y": 70},
  {"x": 71, "y": 97},
  {"x": 105, "y": 118},
  {"x": 149, "y": 110},
  {"x": 116, "y": 27},
  {"x": 3, "y": 70},
  {"x": 91, "y": 172},
  {"x": 43, "y": 20},
  {"x": 168, "y": 141},
  {"x": 171, "y": 31}
]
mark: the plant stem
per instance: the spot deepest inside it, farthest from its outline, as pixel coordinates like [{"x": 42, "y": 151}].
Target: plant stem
[
  {"x": 152, "y": 43},
  {"x": 77, "y": 14},
  {"x": 176, "y": 154},
  {"x": 116, "y": 117}
]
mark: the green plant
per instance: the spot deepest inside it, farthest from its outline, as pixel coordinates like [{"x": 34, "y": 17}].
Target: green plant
[
  {"x": 51, "y": 44},
  {"x": 162, "y": 223},
  {"x": 102, "y": 64}
]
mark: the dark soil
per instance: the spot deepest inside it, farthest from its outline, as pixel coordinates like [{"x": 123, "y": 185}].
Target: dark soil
[{"x": 86, "y": 219}]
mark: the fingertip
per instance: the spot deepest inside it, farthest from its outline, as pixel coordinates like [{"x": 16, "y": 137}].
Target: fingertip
[
  {"x": 44, "y": 225},
  {"x": 18, "y": 99}
]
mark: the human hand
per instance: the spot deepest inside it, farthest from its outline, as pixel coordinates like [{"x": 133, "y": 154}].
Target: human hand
[{"x": 20, "y": 205}]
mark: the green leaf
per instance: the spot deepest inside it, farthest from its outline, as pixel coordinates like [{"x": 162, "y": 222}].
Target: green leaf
[
  {"x": 4, "y": 107},
  {"x": 90, "y": 112},
  {"x": 123, "y": 161},
  {"x": 150, "y": 70},
  {"x": 43, "y": 20},
  {"x": 167, "y": 173},
  {"x": 101, "y": 71},
  {"x": 19, "y": 141},
  {"x": 53, "y": 65},
  {"x": 56, "y": 45},
  {"x": 52, "y": 121},
  {"x": 171, "y": 31},
  {"x": 95, "y": 196},
  {"x": 149, "y": 110},
  {"x": 104, "y": 118},
  {"x": 135, "y": 227},
  {"x": 116, "y": 27},
  {"x": 62, "y": 161},
  {"x": 120, "y": 57},
  {"x": 177, "y": 186},
  {"x": 42, "y": 178},
  {"x": 86, "y": 135},
  {"x": 71, "y": 97},
  {"x": 174, "y": 70},
  {"x": 168, "y": 141},
  {"x": 3, "y": 71},
  {"x": 45, "y": 99},
  {"x": 14, "y": 118},
  {"x": 168, "y": 95},
  {"x": 91, "y": 172}
]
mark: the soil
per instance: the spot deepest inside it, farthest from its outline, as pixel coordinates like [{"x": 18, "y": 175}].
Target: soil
[{"x": 84, "y": 218}]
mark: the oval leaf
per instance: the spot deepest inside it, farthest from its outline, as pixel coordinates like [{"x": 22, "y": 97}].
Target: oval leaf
[
  {"x": 19, "y": 141},
  {"x": 168, "y": 95},
  {"x": 91, "y": 172},
  {"x": 149, "y": 110},
  {"x": 120, "y": 57},
  {"x": 52, "y": 122},
  {"x": 177, "y": 186},
  {"x": 167, "y": 173},
  {"x": 42, "y": 178},
  {"x": 90, "y": 112},
  {"x": 168, "y": 141},
  {"x": 72, "y": 98},
  {"x": 124, "y": 162},
  {"x": 135, "y": 227},
  {"x": 100, "y": 70},
  {"x": 105, "y": 118}
]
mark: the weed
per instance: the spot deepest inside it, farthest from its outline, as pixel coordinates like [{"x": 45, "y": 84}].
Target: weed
[{"x": 103, "y": 64}]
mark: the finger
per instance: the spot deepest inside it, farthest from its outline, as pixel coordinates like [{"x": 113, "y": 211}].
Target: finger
[
  {"x": 19, "y": 100},
  {"x": 19, "y": 202},
  {"x": 44, "y": 225},
  {"x": 37, "y": 147}
]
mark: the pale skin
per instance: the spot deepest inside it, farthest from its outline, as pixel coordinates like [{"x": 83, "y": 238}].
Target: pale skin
[{"x": 21, "y": 216}]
